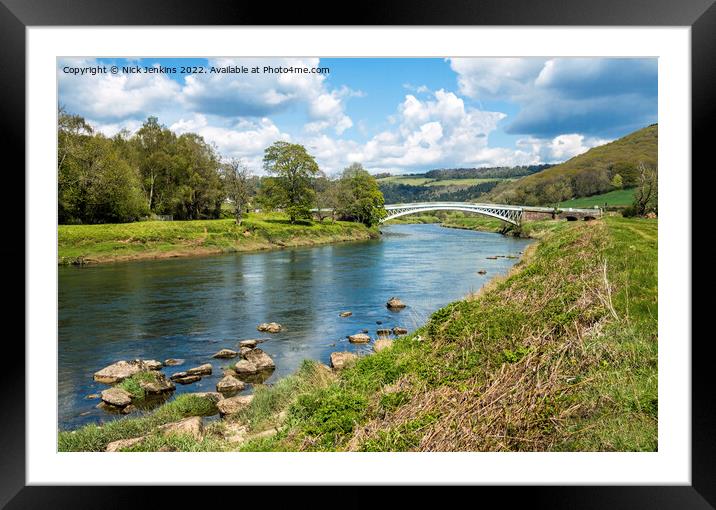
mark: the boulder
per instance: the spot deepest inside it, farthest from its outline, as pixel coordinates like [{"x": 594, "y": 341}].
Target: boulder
[
  {"x": 382, "y": 344},
  {"x": 245, "y": 367},
  {"x": 225, "y": 353},
  {"x": 260, "y": 359},
  {"x": 399, "y": 331},
  {"x": 192, "y": 426},
  {"x": 117, "y": 397},
  {"x": 229, "y": 383},
  {"x": 172, "y": 362},
  {"x": 234, "y": 404},
  {"x": 345, "y": 314},
  {"x": 359, "y": 338},
  {"x": 269, "y": 327},
  {"x": 211, "y": 395},
  {"x": 395, "y": 304},
  {"x": 127, "y": 409},
  {"x": 204, "y": 369},
  {"x": 235, "y": 432},
  {"x": 161, "y": 385},
  {"x": 244, "y": 351},
  {"x": 116, "y": 446},
  {"x": 383, "y": 332},
  {"x": 152, "y": 364},
  {"x": 250, "y": 343},
  {"x": 184, "y": 378},
  {"x": 339, "y": 360},
  {"x": 119, "y": 371}
]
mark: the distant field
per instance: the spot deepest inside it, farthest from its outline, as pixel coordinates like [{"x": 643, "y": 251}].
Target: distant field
[
  {"x": 617, "y": 197},
  {"x": 424, "y": 181}
]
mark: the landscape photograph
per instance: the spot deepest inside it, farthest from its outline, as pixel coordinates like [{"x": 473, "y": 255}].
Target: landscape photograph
[{"x": 309, "y": 254}]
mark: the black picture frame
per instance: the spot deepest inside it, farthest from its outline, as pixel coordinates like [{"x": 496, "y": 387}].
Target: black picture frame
[{"x": 700, "y": 15}]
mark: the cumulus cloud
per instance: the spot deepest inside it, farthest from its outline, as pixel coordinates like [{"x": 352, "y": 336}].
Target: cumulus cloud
[
  {"x": 246, "y": 140},
  {"x": 108, "y": 97},
  {"x": 594, "y": 96}
]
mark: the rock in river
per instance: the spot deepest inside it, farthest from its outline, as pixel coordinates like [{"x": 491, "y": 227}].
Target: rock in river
[
  {"x": 339, "y": 360},
  {"x": 383, "y": 332},
  {"x": 345, "y": 314},
  {"x": 244, "y": 351},
  {"x": 229, "y": 384},
  {"x": 399, "y": 331},
  {"x": 359, "y": 338},
  {"x": 482, "y": 271},
  {"x": 270, "y": 327},
  {"x": 225, "y": 353},
  {"x": 244, "y": 367},
  {"x": 117, "y": 397},
  {"x": 185, "y": 378},
  {"x": 395, "y": 304},
  {"x": 250, "y": 343},
  {"x": 152, "y": 364},
  {"x": 259, "y": 358},
  {"x": 204, "y": 369},
  {"x": 171, "y": 362},
  {"x": 161, "y": 385},
  {"x": 119, "y": 371},
  {"x": 234, "y": 404}
]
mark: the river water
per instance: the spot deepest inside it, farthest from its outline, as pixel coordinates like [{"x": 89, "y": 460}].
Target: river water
[{"x": 190, "y": 308}]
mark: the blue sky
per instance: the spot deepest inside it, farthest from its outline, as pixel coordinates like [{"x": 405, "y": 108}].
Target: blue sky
[{"x": 398, "y": 115}]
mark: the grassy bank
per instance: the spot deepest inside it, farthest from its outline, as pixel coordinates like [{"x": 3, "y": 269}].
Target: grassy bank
[
  {"x": 560, "y": 355},
  {"x": 164, "y": 239}
]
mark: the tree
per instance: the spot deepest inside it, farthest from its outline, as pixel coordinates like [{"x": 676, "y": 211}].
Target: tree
[
  {"x": 646, "y": 198},
  {"x": 617, "y": 181},
  {"x": 360, "y": 197},
  {"x": 238, "y": 183},
  {"x": 556, "y": 192},
  {"x": 328, "y": 197},
  {"x": 291, "y": 188}
]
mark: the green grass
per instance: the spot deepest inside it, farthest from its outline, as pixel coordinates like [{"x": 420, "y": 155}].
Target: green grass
[
  {"x": 619, "y": 197},
  {"x": 95, "y": 438},
  {"x": 132, "y": 383},
  {"x": 159, "y": 239}
]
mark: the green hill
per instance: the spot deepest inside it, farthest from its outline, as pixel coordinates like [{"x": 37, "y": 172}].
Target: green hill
[{"x": 588, "y": 174}]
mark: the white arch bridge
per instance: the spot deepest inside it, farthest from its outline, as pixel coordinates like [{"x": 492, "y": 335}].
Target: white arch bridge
[{"x": 510, "y": 213}]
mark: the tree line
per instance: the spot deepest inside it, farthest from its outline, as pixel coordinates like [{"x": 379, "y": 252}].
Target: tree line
[{"x": 154, "y": 171}]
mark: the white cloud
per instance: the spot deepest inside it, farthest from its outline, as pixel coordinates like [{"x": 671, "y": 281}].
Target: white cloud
[
  {"x": 108, "y": 97},
  {"x": 246, "y": 140},
  {"x": 483, "y": 78}
]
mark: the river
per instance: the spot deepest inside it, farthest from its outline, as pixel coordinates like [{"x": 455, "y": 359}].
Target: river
[{"x": 190, "y": 308}]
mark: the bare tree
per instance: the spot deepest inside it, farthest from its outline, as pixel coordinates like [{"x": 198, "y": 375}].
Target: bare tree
[
  {"x": 238, "y": 182},
  {"x": 646, "y": 194}
]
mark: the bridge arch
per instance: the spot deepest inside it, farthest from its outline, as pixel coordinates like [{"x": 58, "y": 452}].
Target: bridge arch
[{"x": 509, "y": 214}]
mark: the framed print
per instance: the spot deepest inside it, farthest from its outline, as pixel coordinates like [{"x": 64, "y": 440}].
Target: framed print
[{"x": 424, "y": 249}]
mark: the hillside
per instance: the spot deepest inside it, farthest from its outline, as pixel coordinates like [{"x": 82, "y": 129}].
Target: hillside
[
  {"x": 588, "y": 174},
  {"x": 449, "y": 184}
]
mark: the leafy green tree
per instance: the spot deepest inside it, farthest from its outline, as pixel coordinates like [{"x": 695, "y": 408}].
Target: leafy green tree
[
  {"x": 360, "y": 197},
  {"x": 617, "y": 181},
  {"x": 95, "y": 183},
  {"x": 328, "y": 200},
  {"x": 291, "y": 189},
  {"x": 155, "y": 146}
]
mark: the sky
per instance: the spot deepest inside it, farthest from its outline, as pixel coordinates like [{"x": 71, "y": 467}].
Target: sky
[{"x": 390, "y": 115}]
